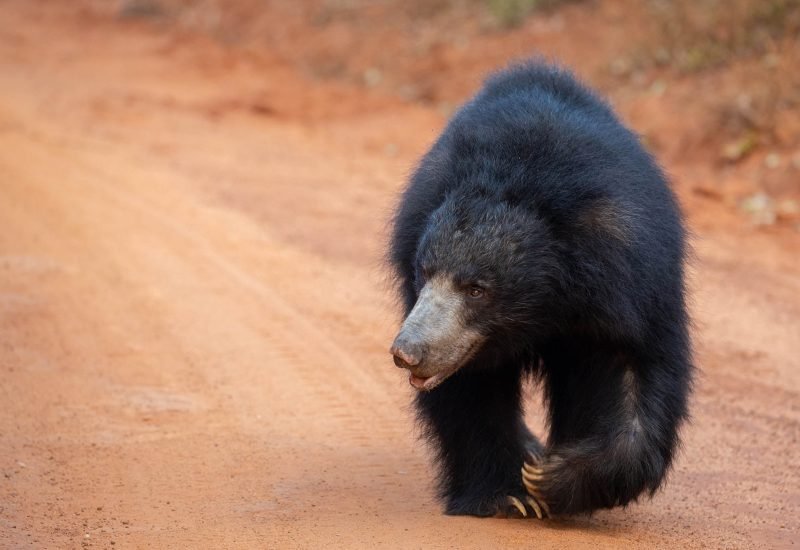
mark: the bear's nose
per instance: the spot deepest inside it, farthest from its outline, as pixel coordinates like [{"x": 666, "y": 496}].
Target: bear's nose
[{"x": 407, "y": 354}]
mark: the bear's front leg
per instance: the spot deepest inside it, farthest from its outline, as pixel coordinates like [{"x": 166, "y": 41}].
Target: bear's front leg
[
  {"x": 614, "y": 419},
  {"x": 474, "y": 422}
]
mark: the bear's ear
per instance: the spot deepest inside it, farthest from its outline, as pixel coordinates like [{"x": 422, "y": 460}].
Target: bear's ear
[{"x": 605, "y": 217}]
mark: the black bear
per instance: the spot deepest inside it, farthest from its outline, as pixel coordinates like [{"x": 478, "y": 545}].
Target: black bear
[{"x": 537, "y": 238}]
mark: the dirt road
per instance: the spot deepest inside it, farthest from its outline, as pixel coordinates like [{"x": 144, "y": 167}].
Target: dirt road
[{"x": 193, "y": 323}]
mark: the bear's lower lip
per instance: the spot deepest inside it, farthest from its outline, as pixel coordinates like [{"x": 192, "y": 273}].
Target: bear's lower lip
[
  {"x": 425, "y": 384},
  {"x": 417, "y": 381}
]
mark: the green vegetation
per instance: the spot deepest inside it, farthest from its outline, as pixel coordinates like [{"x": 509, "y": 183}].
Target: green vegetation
[{"x": 511, "y": 13}]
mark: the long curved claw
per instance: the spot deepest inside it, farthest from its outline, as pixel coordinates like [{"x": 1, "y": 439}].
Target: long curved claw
[
  {"x": 544, "y": 506},
  {"x": 531, "y": 477},
  {"x": 529, "y": 486},
  {"x": 535, "y": 505},
  {"x": 532, "y": 473},
  {"x": 517, "y": 503}
]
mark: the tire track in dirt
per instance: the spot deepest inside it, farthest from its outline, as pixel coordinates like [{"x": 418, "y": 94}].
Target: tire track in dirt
[
  {"x": 135, "y": 240},
  {"x": 286, "y": 331}
]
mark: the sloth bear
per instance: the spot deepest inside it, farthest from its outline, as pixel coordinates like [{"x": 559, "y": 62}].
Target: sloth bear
[{"x": 538, "y": 239}]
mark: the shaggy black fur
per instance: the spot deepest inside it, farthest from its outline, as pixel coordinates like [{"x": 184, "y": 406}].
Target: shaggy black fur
[{"x": 536, "y": 190}]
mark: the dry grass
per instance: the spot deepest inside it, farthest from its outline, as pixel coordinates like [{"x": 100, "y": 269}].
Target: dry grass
[{"x": 694, "y": 35}]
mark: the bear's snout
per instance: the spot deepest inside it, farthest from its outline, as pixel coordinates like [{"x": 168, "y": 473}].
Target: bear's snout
[
  {"x": 407, "y": 353},
  {"x": 434, "y": 341}
]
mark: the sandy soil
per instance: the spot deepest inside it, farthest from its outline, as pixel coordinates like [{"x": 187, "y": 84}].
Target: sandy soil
[{"x": 194, "y": 324}]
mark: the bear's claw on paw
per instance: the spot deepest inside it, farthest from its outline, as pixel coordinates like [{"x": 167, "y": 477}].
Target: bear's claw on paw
[
  {"x": 535, "y": 506},
  {"x": 517, "y": 503},
  {"x": 531, "y": 475},
  {"x": 521, "y": 507}
]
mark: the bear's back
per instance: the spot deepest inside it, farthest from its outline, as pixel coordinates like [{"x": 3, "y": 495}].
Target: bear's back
[{"x": 535, "y": 136}]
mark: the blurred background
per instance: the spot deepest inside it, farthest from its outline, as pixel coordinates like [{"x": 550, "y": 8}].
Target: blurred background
[
  {"x": 194, "y": 313},
  {"x": 709, "y": 83}
]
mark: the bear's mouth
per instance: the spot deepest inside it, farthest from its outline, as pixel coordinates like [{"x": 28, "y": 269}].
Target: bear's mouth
[{"x": 427, "y": 383}]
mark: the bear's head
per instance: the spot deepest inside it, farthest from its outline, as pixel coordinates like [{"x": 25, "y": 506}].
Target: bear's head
[{"x": 485, "y": 272}]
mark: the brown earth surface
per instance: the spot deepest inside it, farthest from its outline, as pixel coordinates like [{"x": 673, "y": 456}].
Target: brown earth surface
[{"x": 194, "y": 319}]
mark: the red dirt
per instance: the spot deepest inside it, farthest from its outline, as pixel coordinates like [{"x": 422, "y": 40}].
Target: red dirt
[{"x": 193, "y": 320}]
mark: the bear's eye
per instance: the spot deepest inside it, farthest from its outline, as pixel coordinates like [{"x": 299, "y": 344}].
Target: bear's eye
[{"x": 476, "y": 292}]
